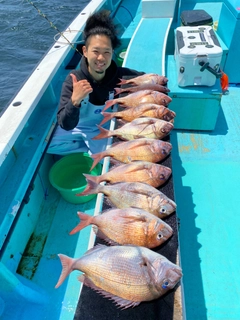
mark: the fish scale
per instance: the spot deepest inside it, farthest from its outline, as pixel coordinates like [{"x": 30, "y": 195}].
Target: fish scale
[
  {"x": 151, "y": 150},
  {"x": 142, "y": 96},
  {"x": 127, "y": 226},
  {"x": 132, "y": 283},
  {"x": 113, "y": 271},
  {"x": 126, "y": 274},
  {"x": 142, "y": 110},
  {"x": 151, "y": 173},
  {"x": 145, "y": 127},
  {"x": 151, "y": 78},
  {"x": 134, "y": 194}
]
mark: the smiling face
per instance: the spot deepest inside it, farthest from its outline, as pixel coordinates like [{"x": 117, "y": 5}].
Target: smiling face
[{"x": 99, "y": 55}]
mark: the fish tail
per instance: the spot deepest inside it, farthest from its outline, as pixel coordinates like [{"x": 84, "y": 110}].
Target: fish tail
[
  {"x": 91, "y": 188},
  {"x": 67, "y": 263},
  {"x": 117, "y": 91},
  {"x": 86, "y": 220},
  {"x": 96, "y": 179},
  {"x": 104, "y": 133},
  {"x": 122, "y": 81},
  {"x": 97, "y": 157},
  {"x": 107, "y": 116},
  {"x": 108, "y": 104}
]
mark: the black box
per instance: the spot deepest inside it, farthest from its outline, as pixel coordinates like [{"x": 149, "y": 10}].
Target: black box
[{"x": 195, "y": 18}]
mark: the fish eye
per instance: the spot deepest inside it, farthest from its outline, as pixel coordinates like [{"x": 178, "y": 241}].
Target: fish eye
[
  {"x": 163, "y": 210},
  {"x": 161, "y": 177},
  {"x": 165, "y": 284},
  {"x": 164, "y": 151},
  {"x": 159, "y": 236}
]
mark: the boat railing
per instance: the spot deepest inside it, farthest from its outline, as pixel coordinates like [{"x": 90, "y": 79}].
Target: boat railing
[{"x": 30, "y": 118}]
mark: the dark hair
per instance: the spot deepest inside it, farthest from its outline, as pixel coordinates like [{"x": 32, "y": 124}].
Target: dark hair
[{"x": 100, "y": 23}]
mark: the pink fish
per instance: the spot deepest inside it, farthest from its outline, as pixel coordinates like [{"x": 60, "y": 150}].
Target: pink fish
[
  {"x": 151, "y": 150},
  {"x": 145, "y": 78},
  {"x": 153, "y": 174},
  {"x": 136, "y": 98},
  {"x": 145, "y": 86},
  {"x": 143, "y": 110},
  {"x": 126, "y": 274},
  {"x": 127, "y": 226},
  {"x": 134, "y": 194},
  {"x": 139, "y": 128}
]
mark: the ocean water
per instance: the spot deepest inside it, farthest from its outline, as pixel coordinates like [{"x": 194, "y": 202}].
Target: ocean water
[{"x": 26, "y": 36}]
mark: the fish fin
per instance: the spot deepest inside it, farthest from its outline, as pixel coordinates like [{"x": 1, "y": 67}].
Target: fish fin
[
  {"x": 104, "y": 133},
  {"x": 95, "y": 179},
  {"x": 136, "y": 165},
  {"x": 108, "y": 104},
  {"x": 91, "y": 188},
  {"x": 130, "y": 218},
  {"x": 120, "y": 302},
  {"x": 107, "y": 116},
  {"x": 145, "y": 120},
  {"x": 122, "y": 81},
  {"x": 124, "y": 303},
  {"x": 117, "y": 91},
  {"x": 96, "y": 157},
  {"x": 67, "y": 263},
  {"x": 138, "y": 136},
  {"x": 86, "y": 220}
]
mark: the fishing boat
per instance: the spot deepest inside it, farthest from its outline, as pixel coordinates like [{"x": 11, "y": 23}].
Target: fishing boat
[{"x": 35, "y": 220}]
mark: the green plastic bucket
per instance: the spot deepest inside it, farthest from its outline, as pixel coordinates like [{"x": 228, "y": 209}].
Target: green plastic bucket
[{"x": 66, "y": 175}]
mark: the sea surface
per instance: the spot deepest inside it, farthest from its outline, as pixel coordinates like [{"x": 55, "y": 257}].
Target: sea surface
[{"x": 26, "y": 36}]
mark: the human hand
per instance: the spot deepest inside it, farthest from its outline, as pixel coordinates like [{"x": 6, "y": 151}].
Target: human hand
[{"x": 81, "y": 89}]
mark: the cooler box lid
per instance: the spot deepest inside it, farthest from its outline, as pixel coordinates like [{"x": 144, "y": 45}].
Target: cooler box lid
[
  {"x": 196, "y": 18},
  {"x": 197, "y": 41}
]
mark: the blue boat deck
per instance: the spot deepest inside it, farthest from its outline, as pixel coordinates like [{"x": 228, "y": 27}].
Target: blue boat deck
[{"x": 206, "y": 175}]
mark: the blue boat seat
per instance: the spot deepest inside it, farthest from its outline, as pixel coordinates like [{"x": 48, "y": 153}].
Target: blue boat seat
[{"x": 143, "y": 40}]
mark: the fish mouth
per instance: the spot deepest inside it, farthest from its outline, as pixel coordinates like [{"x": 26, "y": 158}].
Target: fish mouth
[
  {"x": 170, "y": 273},
  {"x": 178, "y": 271}
]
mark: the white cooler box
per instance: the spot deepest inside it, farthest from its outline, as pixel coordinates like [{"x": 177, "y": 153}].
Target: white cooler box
[{"x": 198, "y": 55}]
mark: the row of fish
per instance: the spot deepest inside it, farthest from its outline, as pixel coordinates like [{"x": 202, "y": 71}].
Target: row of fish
[{"x": 127, "y": 270}]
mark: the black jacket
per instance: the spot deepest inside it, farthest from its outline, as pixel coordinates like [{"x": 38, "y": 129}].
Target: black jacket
[{"x": 68, "y": 115}]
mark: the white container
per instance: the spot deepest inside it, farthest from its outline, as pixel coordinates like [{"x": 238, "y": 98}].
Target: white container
[{"x": 198, "y": 54}]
